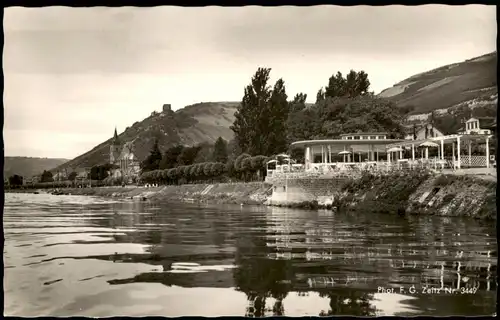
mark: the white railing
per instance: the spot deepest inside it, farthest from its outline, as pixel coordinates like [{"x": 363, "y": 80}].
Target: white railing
[
  {"x": 327, "y": 170},
  {"x": 473, "y": 161},
  {"x": 346, "y": 169}
]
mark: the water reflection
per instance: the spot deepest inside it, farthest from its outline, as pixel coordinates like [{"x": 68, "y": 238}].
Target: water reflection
[
  {"x": 266, "y": 261},
  {"x": 348, "y": 256}
]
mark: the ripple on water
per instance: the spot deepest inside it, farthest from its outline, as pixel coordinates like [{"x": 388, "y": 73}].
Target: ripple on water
[{"x": 72, "y": 255}]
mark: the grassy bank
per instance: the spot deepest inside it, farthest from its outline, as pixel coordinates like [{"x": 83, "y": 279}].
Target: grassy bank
[{"x": 222, "y": 193}]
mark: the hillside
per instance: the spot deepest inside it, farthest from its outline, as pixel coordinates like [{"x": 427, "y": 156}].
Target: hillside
[
  {"x": 28, "y": 167},
  {"x": 201, "y": 122},
  {"x": 472, "y": 82}
]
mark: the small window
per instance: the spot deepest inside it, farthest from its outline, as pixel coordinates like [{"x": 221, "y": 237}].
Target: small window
[{"x": 356, "y": 137}]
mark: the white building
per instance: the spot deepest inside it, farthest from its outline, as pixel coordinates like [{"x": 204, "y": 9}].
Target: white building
[{"x": 472, "y": 126}]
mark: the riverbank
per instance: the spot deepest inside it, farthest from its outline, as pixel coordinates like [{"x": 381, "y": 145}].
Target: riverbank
[
  {"x": 421, "y": 193},
  {"x": 223, "y": 193},
  {"x": 402, "y": 193}
]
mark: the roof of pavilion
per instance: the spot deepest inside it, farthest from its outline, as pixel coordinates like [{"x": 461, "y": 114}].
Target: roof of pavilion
[
  {"x": 343, "y": 142},
  {"x": 446, "y": 139},
  {"x": 364, "y": 134}
]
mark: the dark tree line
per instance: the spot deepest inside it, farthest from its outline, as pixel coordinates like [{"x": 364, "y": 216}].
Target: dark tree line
[
  {"x": 333, "y": 116},
  {"x": 182, "y": 164},
  {"x": 97, "y": 172},
  {"x": 46, "y": 176},
  {"x": 15, "y": 181},
  {"x": 180, "y": 155}
]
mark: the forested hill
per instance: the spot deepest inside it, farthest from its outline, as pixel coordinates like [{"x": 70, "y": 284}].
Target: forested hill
[
  {"x": 472, "y": 82},
  {"x": 28, "y": 167}
]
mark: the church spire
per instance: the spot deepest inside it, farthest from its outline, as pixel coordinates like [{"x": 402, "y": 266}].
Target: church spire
[{"x": 115, "y": 138}]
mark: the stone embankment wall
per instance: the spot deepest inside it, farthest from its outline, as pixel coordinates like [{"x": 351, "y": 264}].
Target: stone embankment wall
[
  {"x": 399, "y": 192},
  {"x": 292, "y": 191}
]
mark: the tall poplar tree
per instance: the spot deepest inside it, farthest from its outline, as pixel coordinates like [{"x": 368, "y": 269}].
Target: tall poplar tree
[
  {"x": 152, "y": 161},
  {"x": 259, "y": 124},
  {"x": 220, "y": 151},
  {"x": 277, "y": 117}
]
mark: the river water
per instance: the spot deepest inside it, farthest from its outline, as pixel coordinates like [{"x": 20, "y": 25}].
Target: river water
[{"x": 75, "y": 255}]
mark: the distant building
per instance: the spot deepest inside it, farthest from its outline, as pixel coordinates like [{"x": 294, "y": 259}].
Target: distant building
[
  {"x": 32, "y": 180},
  {"x": 491, "y": 126},
  {"x": 421, "y": 132},
  {"x": 60, "y": 175},
  {"x": 478, "y": 126},
  {"x": 126, "y": 165}
]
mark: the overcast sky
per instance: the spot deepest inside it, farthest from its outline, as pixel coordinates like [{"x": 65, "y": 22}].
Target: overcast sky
[{"x": 72, "y": 74}]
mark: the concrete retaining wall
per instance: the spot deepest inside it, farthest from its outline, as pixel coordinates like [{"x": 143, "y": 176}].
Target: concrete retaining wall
[{"x": 307, "y": 189}]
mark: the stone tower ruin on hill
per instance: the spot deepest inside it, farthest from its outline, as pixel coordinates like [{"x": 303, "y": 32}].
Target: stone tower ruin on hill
[{"x": 167, "y": 108}]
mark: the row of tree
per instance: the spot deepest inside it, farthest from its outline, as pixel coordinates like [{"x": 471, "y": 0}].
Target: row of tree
[{"x": 244, "y": 167}]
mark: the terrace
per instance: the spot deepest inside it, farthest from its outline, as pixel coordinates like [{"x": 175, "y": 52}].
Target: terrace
[{"x": 354, "y": 153}]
